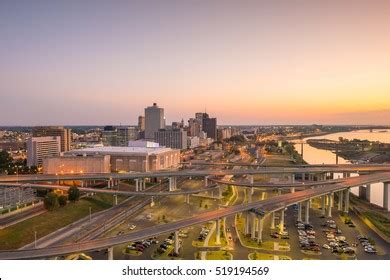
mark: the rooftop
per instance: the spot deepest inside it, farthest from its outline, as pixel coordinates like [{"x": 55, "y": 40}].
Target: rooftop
[{"x": 111, "y": 150}]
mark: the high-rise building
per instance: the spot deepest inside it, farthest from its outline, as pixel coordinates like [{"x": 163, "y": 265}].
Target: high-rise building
[
  {"x": 141, "y": 123},
  {"x": 209, "y": 125},
  {"x": 109, "y": 136},
  {"x": 42, "y": 147},
  {"x": 172, "y": 138},
  {"x": 154, "y": 120},
  {"x": 194, "y": 127},
  {"x": 126, "y": 134},
  {"x": 63, "y": 133}
]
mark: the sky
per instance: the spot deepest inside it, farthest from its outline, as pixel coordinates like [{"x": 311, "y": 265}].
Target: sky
[{"x": 244, "y": 62}]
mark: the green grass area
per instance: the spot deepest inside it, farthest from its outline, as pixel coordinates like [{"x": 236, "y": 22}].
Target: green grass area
[
  {"x": 379, "y": 221},
  {"x": 20, "y": 234},
  {"x": 219, "y": 255},
  {"x": 263, "y": 256}
]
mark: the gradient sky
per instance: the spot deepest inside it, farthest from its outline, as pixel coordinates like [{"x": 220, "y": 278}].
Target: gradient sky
[{"x": 246, "y": 62}]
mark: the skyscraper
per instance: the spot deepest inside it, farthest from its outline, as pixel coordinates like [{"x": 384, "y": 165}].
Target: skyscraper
[
  {"x": 63, "y": 133},
  {"x": 154, "y": 120},
  {"x": 172, "y": 138}
]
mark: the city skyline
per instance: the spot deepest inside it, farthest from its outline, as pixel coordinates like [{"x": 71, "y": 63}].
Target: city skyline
[{"x": 254, "y": 63}]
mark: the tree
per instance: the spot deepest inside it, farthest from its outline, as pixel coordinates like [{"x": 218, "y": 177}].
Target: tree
[
  {"x": 73, "y": 194},
  {"x": 62, "y": 200},
  {"x": 51, "y": 201}
]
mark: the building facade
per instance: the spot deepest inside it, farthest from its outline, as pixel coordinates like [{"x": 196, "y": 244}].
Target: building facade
[
  {"x": 173, "y": 138},
  {"x": 39, "y": 148},
  {"x": 63, "y": 133},
  {"x": 76, "y": 163},
  {"x": 154, "y": 120}
]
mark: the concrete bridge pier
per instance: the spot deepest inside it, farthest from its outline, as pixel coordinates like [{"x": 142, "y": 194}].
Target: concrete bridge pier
[
  {"x": 340, "y": 200},
  {"x": 247, "y": 223},
  {"x": 279, "y": 191},
  {"x": 218, "y": 232},
  {"x": 303, "y": 176},
  {"x": 386, "y": 196},
  {"x": 323, "y": 205},
  {"x": 273, "y": 220},
  {"x": 206, "y": 181},
  {"x": 110, "y": 183},
  {"x": 152, "y": 201},
  {"x": 187, "y": 198},
  {"x": 292, "y": 178},
  {"x": 329, "y": 209},
  {"x": 115, "y": 197},
  {"x": 292, "y": 190},
  {"x": 299, "y": 212},
  {"x": 365, "y": 192},
  {"x": 260, "y": 229},
  {"x": 281, "y": 221},
  {"x": 219, "y": 191},
  {"x": 171, "y": 184},
  {"x": 176, "y": 243},
  {"x": 307, "y": 211},
  {"x": 136, "y": 185},
  {"x": 144, "y": 184},
  {"x": 346, "y": 200},
  {"x": 110, "y": 252},
  {"x": 251, "y": 179},
  {"x": 253, "y": 225}
]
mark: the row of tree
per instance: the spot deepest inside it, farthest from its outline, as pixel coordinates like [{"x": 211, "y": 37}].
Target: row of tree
[{"x": 53, "y": 201}]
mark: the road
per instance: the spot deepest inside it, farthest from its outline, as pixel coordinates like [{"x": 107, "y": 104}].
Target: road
[
  {"x": 349, "y": 168},
  {"x": 269, "y": 205}
]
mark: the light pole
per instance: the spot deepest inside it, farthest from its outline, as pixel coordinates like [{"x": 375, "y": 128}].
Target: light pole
[{"x": 35, "y": 239}]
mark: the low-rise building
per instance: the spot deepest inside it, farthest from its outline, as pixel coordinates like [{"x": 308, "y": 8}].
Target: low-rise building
[{"x": 77, "y": 163}]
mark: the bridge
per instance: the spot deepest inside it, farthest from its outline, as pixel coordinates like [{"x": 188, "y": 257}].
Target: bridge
[{"x": 269, "y": 206}]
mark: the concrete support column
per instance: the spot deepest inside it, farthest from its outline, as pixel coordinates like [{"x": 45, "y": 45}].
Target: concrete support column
[
  {"x": 368, "y": 193},
  {"x": 141, "y": 184},
  {"x": 299, "y": 212},
  {"x": 279, "y": 191},
  {"x": 152, "y": 201},
  {"x": 249, "y": 194},
  {"x": 187, "y": 199},
  {"x": 329, "y": 209},
  {"x": 346, "y": 200},
  {"x": 115, "y": 197},
  {"x": 260, "y": 229},
  {"x": 386, "y": 196},
  {"x": 206, "y": 181},
  {"x": 251, "y": 180},
  {"x": 281, "y": 221},
  {"x": 273, "y": 220},
  {"x": 247, "y": 223},
  {"x": 110, "y": 252},
  {"x": 303, "y": 176},
  {"x": 176, "y": 242},
  {"x": 82, "y": 184},
  {"x": 253, "y": 225},
  {"x": 170, "y": 184},
  {"x": 218, "y": 232},
  {"x": 340, "y": 200},
  {"x": 136, "y": 185},
  {"x": 307, "y": 211},
  {"x": 144, "y": 184},
  {"x": 292, "y": 190},
  {"x": 293, "y": 178},
  {"x": 219, "y": 191},
  {"x": 323, "y": 205}
]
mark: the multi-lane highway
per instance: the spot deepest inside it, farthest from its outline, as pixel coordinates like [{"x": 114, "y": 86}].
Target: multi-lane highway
[
  {"x": 273, "y": 204},
  {"x": 318, "y": 169}
]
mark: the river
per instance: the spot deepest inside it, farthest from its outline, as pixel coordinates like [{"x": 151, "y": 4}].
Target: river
[{"x": 317, "y": 156}]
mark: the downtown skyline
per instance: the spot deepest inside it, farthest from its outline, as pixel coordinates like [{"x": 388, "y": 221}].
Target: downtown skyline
[{"x": 257, "y": 62}]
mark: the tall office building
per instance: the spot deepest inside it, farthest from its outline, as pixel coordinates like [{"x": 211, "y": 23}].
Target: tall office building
[
  {"x": 194, "y": 127},
  {"x": 154, "y": 120},
  {"x": 109, "y": 136},
  {"x": 42, "y": 147},
  {"x": 63, "y": 133},
  {"x": 209, "y": 126},
  {"x": 172, "y": 138},
  {"x": 126, "y": 134},
  {"x": 141, "y": 123}
]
